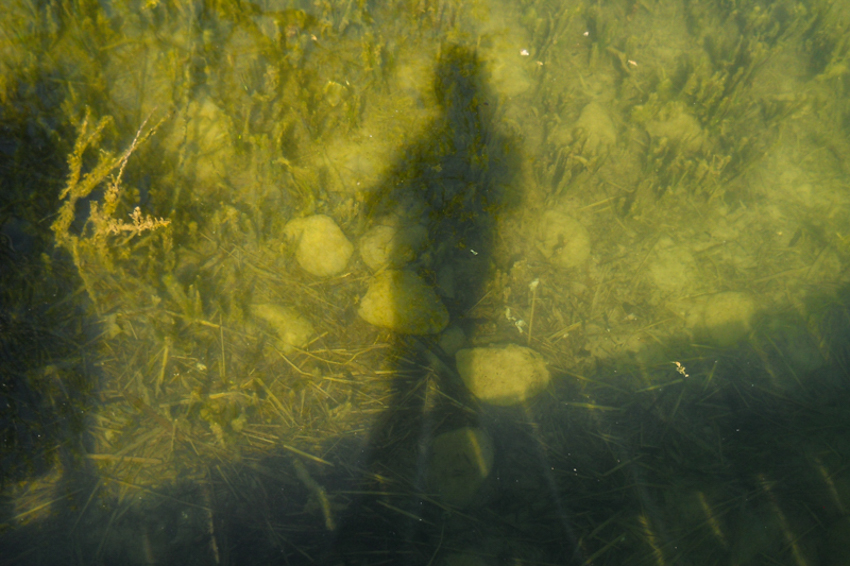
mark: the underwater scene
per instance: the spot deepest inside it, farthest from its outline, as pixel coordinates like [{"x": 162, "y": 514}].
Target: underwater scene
[{"x": 425, "y": 282}]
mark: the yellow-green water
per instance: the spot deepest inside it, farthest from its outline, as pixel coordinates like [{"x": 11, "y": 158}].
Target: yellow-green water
[{"x": 651, "y": 195}]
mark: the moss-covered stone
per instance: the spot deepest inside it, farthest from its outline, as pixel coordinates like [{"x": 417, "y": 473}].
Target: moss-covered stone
[
  {"x": 401, "y": 301},
  {"x": 391, "y": 246},
  {"x": 293, "y": 330},
  {"x": 321, "y": 247},
  {"x": 563, "y": 240},
  {"x": 460, "y": 462},
  {"x": 503, "y": 375},
  {"x": 724, "y": 319}
]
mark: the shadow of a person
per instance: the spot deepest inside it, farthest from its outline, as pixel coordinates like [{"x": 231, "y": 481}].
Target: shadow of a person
[{"x": 457, "y": 180}]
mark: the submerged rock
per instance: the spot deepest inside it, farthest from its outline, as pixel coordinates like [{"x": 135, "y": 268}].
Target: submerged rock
[
  {"x": 460, "y": 462},
  {"x": 391, "y": 246},
  {"x": 673, "y": 268},
  {"x": 401, "y": 301},
  {"x": 597, "y": 128},
  {"x": 724, "y": 319},
  {"x": 292, "y": 329},
  {"x": 394, "y": 118},
  {"x": 321, "y": 247},
  {"x": 678, "y": 127},
  {"x": 503, "y": 375},
  {"x": 563, "y": 240}
]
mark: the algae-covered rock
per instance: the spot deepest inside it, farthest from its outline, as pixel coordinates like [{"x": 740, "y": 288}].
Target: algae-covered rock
[
  {"x": 292, "y": 329},
  {"x": 389, "y": 120},
  {"x": 597, "y": 128},
  {"x": 321, "y": 247},
  {"x": 503, "y": 375},
  {"x": 403, "y": 302},
  {"x": 202, "y": 129},
  {"x": 562, "y": 240},
  {"x": 460, "y": 462},
  {"x": 679, "y": 127},
  {"x": 723, "y": 319},
  {"x": 392, "y": 246},
  {"x": 508, "y": 65},
  {"x": 673, "y": 268},
  {"x": 452, "y": 339}
]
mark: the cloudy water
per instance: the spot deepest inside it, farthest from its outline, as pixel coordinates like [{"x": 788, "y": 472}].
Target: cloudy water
[{"x": 424, "y": 282}]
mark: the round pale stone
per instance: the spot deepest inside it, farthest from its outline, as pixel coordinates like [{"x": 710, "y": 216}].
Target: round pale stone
[
  {"x": 376, "y": 246},
  {"x": 292, "y": 329},
  {"x": 503, "y": 375},
  {"x": 563, "y": 240},
  {"x": 728, "y": 317},
  {"x": 321, "y": 247},
  {"x": 724, "y": 319},
  {"x": 391, "y": 246},
  {"x": 401, "y": 301},
  {"x": 678, "y": 127},
  {"x": 673, "y": 268},
  {"x": 452, "y": 339},
  {"x": 460, "y": 462},
  {"x": 598, "y": 128}
]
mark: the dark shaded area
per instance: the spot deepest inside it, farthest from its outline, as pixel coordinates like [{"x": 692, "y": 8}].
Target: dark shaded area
[
  {"x": 45, "y": 377},
  {"x": 456, "y": 177}
]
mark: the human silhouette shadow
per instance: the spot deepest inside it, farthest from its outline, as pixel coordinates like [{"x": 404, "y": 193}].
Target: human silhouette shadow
[{"x": 458, "y": 178}]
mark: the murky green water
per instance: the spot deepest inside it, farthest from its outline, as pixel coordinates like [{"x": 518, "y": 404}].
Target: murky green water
[{"x": 424, "y": 282}]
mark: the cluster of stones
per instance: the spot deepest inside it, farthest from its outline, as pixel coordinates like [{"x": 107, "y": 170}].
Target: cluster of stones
[{"x": 399, "y": 300}]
